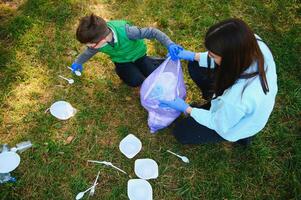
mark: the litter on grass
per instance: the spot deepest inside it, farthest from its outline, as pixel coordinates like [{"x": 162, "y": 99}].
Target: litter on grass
[
  {"x": 130, "y": 146},
  {"x": 146, "y": 169},
  {"x": 69, "y": 80},
  {"x": 62, "y": 110},
  {"x": 107, "y": 164},
  {"x": 139, "y": 189},
  {"x": 10, "y": 160}
]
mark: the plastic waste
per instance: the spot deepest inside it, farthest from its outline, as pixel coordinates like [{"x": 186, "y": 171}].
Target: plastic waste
[
  {"x": 165, "y": 83},
  {"x": 146, "y": 169},
  {"x": 130, "y": 146},
  {"x": 139, "y": 189},
  {"x": 7, "y": 178},
  {"x": 62, "y": 110},
  {"x": 10, "y": 160},
  {"x": 22, "y": 146}
]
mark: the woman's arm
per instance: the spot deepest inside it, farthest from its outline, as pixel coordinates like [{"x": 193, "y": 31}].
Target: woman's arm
[
  {"x": 197, "y": 57},
  {"x": 201, "y": 58},
  {"x": 221, "y": 117}
]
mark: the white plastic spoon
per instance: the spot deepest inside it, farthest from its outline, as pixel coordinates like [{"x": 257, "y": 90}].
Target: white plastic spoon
[
  {"x": 92, "y": 191},
  {"x": 184, "y": 158},
  {"x": 77, "y": 73},
  {"x": 70, "y": 80},
  {"x": 108, "y": 164},
  {"x": 81, "y": 194}
]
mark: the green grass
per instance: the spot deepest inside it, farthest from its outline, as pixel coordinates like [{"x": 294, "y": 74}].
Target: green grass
[{"x": 37, "y": 42}]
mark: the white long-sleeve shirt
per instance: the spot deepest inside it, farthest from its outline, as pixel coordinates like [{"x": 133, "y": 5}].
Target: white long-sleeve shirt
[{"x": 234, "y": 115}]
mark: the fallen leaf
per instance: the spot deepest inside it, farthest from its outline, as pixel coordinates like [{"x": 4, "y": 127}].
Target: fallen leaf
[{"x": 69, "y": 139}]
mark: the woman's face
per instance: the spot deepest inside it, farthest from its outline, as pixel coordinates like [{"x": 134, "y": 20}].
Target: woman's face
[{"x": 217, "y": 58}]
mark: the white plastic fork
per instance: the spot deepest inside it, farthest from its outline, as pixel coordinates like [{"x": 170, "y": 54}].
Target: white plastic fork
[
  {"x": 81, "y": 194},
  {"x": 108, "y": 164},
  {"x": 92, "y": 191}
]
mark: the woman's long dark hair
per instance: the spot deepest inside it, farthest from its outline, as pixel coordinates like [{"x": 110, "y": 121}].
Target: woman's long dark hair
[{"x": 234, "y": 41}]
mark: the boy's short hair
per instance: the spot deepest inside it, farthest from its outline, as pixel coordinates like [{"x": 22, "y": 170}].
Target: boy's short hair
[{"x": 91, "y": 29}]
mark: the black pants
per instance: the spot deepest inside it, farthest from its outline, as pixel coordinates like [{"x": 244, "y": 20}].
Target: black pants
[
  {"x": 134, "y": 73},
  {"x": 189, "y": 131},
  {"x": 203, "y": 77}
]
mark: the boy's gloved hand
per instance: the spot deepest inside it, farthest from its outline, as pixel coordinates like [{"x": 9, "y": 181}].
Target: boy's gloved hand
[
  {"x": 76, "y": 67},
  {"x": 173, "y": 50},
  {"x": 177, "y": 104},
  {"x": 186, "y": 55}
]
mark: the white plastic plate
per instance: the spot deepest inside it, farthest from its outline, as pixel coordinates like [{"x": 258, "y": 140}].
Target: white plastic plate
[
  {"x": 146, "y": 168},
  {"x": 130, "y": 146},
  {"x": 62, "y": 110},
  {"x": 9, "y": 161},
  {"x": 139, "y": 189}
]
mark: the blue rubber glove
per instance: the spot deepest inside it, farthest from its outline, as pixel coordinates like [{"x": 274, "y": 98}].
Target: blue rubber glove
[
  {"x": 186, "y": 55},
  {"x": 76, "y": 67},
  {"x": 177, "y": 104},
  {"x": 173, "y": 50}
]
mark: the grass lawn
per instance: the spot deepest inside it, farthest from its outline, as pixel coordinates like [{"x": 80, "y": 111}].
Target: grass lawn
[{"x": 37, "y": 42}]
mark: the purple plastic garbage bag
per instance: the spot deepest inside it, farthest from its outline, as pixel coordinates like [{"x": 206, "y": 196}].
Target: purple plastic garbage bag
[{"x": 165, "y": 83}]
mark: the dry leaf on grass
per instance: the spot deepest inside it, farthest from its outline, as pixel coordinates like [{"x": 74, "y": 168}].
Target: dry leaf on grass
[{"x": 69, "y": 139}]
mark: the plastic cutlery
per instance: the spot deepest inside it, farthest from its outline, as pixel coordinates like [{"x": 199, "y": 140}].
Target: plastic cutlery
[
  {"x": 81, "y": 194},
  {"x": 184, "y": 158},
  {"x": 92, "y": 191},
  {"x": 108, "y": 164},
  {"x": 77, "y": 73},
  {"x": 70, "y": 80}
]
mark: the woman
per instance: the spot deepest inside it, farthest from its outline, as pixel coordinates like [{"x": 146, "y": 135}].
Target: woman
[{"x": 238, "y": 74}]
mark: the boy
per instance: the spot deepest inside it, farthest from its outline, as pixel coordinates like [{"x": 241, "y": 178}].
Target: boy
[{"x": 124, "y": 44}]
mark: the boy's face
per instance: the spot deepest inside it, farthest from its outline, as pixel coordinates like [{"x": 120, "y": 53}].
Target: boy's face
[{"x": 101, "y": 42}]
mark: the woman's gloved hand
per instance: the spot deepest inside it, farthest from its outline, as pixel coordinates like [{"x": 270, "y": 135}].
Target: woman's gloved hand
[
  {"x": 76, "y": 67},
  {"x": 186, "y": 55},
  {"x": 177, "y": 104},
  {"x": 173, "y": 50}
]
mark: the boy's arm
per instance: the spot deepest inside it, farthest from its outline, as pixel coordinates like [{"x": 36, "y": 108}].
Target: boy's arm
[
  {"x": 134, "y": 33},
  {"x": 85, "y": 56}
]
